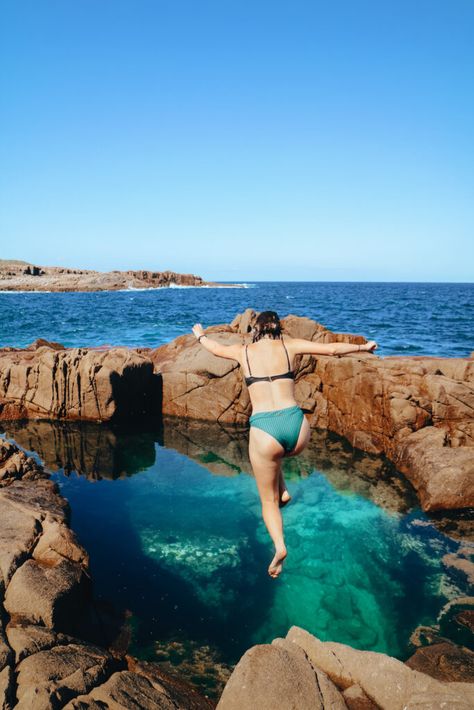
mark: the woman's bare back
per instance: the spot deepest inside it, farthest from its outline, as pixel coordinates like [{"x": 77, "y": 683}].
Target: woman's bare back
[{"x": 267, "y": 358}]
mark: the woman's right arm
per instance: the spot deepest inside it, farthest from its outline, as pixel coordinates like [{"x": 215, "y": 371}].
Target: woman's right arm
[{"x": 301, "y": 347}]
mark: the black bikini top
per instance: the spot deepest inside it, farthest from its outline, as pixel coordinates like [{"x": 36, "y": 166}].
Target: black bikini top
[{"x": 290, "y": 375}]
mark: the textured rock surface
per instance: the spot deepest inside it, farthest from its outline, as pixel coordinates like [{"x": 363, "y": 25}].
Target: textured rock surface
[
  {"x": 287, "y": 674},
  {"x": 268, "y": 677},
  {"x": 79, "y": 383},
  {"x": 444, "y": 661}
]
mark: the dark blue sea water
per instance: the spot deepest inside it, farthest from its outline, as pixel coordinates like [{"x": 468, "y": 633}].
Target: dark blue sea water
[{"x": 411, "y": 318}]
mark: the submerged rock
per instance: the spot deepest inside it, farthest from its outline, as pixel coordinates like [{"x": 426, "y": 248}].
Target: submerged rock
[{"x": 444, "y": 661}]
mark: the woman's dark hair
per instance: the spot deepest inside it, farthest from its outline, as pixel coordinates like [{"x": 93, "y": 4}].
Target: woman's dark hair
[{"x": 267, "y": 323}]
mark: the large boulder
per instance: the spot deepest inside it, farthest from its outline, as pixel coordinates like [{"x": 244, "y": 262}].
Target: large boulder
[
  {"x": 303, "y": 672},
  {"x": 77, "y": 383},
  {"x": 48, "y": 679},
  {"x": 386, "y": 681},
  {"x": 53, "y": 596}
]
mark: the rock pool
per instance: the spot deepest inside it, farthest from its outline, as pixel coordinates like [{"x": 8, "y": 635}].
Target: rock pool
[{"x": 171, "y": 519}]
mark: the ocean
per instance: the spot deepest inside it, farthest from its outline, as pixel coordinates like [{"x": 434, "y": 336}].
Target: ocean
[{"x": 404, "y": 318}]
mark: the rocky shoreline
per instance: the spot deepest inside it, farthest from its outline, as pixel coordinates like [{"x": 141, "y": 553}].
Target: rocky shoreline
[
  {"x": 57, "y": 652},
  {"x": 417, "y": 411},
  {"x": 57, "y": 649},
  {"x": 23, "y": 276}
]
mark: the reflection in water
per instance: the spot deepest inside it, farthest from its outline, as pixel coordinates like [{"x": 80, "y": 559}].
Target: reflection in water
[
  {"x": 117, "y": 450},
  {"x": 172, "y": 522}
]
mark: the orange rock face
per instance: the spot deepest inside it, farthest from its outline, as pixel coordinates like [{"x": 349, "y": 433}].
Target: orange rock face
[{"x": 76, "y": 383}]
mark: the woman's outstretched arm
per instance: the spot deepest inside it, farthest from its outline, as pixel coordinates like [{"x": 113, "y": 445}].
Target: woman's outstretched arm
[
  {"x": 300, "y": 347},
  {"x": 231, "y": 352}
]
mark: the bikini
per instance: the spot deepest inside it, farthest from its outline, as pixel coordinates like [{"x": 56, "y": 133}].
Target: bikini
[{"x": 284, "y": 425}]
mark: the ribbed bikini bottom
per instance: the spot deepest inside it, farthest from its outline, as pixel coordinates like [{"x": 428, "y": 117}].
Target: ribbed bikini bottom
[{"x": 283, "y": 424}]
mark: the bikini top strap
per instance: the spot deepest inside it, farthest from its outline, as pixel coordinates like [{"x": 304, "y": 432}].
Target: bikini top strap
[
  {"x": 287, "y": 356},
  {"x": 247, "y": 356}
]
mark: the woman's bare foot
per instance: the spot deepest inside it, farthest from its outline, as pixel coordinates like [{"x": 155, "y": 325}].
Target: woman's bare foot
[
  {"x": 276, "y": 565},
  {"x": 284, "y": 495}
]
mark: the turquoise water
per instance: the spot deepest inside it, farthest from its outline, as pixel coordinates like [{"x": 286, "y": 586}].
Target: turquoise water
[
  {"x": 173, "y": 527},
  {"x": 423, "y": 319}
]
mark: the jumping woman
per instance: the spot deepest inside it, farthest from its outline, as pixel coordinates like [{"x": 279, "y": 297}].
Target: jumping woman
[{"x": 278, "y": 427}]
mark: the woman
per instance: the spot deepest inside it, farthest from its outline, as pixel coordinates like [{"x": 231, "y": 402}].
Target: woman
[{"x": 278, "y": 427}]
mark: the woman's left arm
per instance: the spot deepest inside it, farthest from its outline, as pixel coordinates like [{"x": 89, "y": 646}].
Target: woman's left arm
[{"x": 231, "y": 352}]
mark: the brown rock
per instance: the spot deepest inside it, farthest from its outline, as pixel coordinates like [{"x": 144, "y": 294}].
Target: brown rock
[
  {"x": 442, "y": 476},
  {"x": 15, "y": 464},
  {"x": 57, "y": 543},
  {"x": 76, "y": 384},
  {"x": 356, "y": 699},
  {"x": 269, "y": 677},
  {"x": 444, "y": 661},
  {"x": 330, "y": 695},
  {"x": 127, "y": 690},
  {"x": 51, "y": 596},
  {"x": 466, "y": 618},
  {"x": 6, "y": 688},
  {"x": 387, "y": 682},
  {"x": 180, "y": 691},
  {"x": 19, "y": 532},
  {"x": 461, "y": 565},
  {"x": 49, "y": 679},
  {"x": 16, "y": 276},
  {"x": 27, "y": 639},
  {"x": 41, "y": 500}
]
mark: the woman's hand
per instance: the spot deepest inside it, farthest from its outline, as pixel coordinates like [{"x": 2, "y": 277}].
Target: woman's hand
[
  {"x": 370, "y": 346},
  {"x": 198, "y": 330}
]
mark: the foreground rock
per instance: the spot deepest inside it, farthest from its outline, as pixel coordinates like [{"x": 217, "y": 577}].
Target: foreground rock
[
  {"x": 49, "y": 656},
  {"x": 302, "y": 672},
  {"x": 22, "y": 276}
]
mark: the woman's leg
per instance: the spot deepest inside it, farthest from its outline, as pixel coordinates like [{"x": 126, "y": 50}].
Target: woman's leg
[{"x": 265, "y": 456}]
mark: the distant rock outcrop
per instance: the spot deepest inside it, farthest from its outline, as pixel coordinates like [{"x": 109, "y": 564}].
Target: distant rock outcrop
[{"x": 22, "y": 276}]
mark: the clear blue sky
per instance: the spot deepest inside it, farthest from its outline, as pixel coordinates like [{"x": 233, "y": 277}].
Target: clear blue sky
[{"x": 240, "y": 140}]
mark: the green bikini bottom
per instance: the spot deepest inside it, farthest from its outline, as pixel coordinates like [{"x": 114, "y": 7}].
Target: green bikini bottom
[{"x": 283, "y": 424}]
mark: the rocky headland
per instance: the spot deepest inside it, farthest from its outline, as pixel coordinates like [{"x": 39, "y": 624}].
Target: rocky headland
[
  {"x": 56, "y": 653},
  {"x": 23, "y": 276}
]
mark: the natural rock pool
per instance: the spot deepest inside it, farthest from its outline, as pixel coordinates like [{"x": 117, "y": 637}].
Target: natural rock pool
[{"x": 171, "y": 519}]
